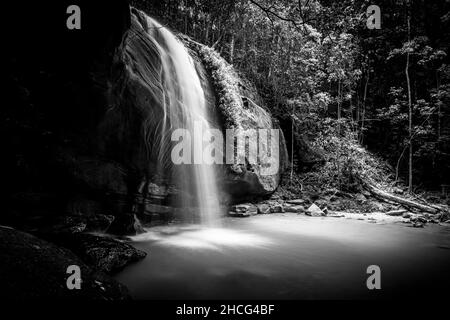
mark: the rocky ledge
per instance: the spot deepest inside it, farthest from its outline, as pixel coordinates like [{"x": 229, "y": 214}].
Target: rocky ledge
[
  {"x": 84, "y": 235},
  {"x": 34, "y": 268}
]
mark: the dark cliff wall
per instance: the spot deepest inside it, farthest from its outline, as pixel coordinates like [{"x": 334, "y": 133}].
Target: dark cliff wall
[
  {"x": 81, "y": 123},
  {"x": 57, "y": 92}
]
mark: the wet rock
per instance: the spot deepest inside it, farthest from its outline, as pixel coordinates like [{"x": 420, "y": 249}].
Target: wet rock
[
  {"x": 151, "y": 214},
  {"x": 243, "y": 210},
  {"x": 296, "y": 201},
  {"x": 407, "y": 215},
  {"x": 321, "y": 203},
  {"x": 99, "y": 222},
  {"x": 33, "y": 268},
  {"x": 67, "y": 224},
  {"x": 157, "y": 208},
  {"x": 314, "y": 211},
  {"x": 78, "y": 223},
  {"x": 103, "y": 253},
  {"x": 421, "y": 219},
  {"x": 294, "y": 209},
  {"x": 263, "y": 208},
  {"x": 126, "y": 224},
  {"x": 418, "y": 224},
  {"x": 434, "y": 220},
  {"x": 445, "y": 223},
  {"x": 276, "y": 208},
  {"x": 156, "y": 191}
]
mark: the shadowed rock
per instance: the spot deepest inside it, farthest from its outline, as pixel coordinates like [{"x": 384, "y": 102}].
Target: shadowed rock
[{"x": 34, "y": 268}]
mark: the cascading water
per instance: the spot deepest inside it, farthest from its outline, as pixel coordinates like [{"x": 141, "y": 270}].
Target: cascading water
[{"x": 184, "y": 107}]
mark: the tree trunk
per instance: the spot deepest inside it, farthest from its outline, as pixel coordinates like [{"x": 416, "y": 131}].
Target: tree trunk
[
  {"x": 408, "y": 82},
  {"x": 382, "y": 195},
  {"x": 339, "y": 106},
  {"x": 292, "y": 143},
  {"x": 232, "y": 49},
  {"x": 363, "y": 111},
  {"x": 438, "y": 84}
]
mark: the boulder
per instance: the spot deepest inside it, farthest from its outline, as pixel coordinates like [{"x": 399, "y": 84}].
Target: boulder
[
  {"x": 321, "y": 202},
  {"x": 243, "y": 210},
  {"x": 103, "y": 253},
  {"x": 80, "y": 223},
  {"x": 314, "y": 211},
  {"x": 418, "y": 224},
  {"x": 276, "y": 207},
  {"x": 99, "y": 222},
  {"x": 33, "y": 268},
  {"x": 296, "y": 201},
  {"x": 420, "y": 219},
  {"x": 294, "y": 208},
  {"x": 406, "y": 215},
  {"x": 263, "y": 208}
]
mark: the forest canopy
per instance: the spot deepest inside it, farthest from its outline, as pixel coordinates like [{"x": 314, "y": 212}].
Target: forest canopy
[{"x": 317, "y": 63}]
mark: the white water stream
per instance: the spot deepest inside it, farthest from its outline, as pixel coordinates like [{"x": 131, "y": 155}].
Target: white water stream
[{"x": 185, "y": 106}]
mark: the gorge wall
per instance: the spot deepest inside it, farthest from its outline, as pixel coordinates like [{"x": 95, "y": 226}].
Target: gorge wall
[{"x": 83, "y": 124}]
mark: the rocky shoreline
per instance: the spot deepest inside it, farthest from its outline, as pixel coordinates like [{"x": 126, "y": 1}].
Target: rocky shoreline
[
  {"x": 34, "y": 263},
  {"x": 34, "y": 268},
  {"x": 336, "y": 204}
]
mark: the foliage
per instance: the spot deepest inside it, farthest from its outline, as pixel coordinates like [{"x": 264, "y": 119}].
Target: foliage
[{"x": 315, "y": 60}]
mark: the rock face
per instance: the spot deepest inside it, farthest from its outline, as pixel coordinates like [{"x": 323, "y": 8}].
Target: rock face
[
  {"x": 79, "y": 223},
  {"x": 82, "y": 126},
  {"x": 243, "y": 111},
  {"x": 34, "y": 268},
  {"x": 59, "y": 160}
]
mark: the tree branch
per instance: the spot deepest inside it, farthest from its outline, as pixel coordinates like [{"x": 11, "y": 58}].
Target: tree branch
[{"x": 269, "y": 11}]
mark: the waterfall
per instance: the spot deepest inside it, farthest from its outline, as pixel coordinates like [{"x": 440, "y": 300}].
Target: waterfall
[{"x": 184, "y": 106}]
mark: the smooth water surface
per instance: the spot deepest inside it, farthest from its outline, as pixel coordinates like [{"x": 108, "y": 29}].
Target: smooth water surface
[{"x": 288, "y": 256}]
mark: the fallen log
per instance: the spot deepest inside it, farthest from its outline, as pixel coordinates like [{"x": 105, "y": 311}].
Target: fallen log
[
  {"x": 396, "y": 213},
  {"x": 382, "y": 195}
]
